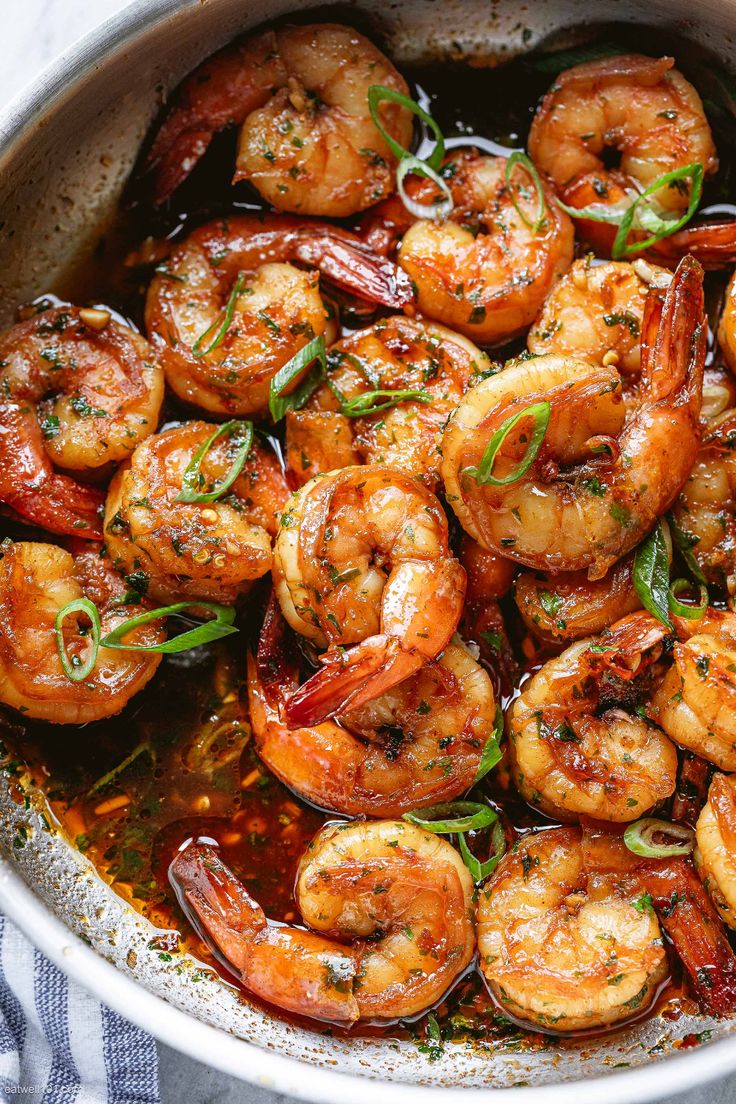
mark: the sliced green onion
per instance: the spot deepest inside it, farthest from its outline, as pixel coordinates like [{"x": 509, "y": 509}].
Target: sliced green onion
[
  {"x": 278, "y": 403},
  {"x": 373, "y": 402},
  {"x": 221, "y": 324},
  {"x": 437, "y": 209},
  {"x": 640, "y": 215},
  {"x": 481, "y": 870},
  {"x": 452, "y": 816},
  {"x": 78, "y": 672},
  {"x": 144, "y": 745},
  {"x": 483, "y": 474},
  {"x": 193, "y": 480},
  {"x": 652, "y": 575},
  {"x": 685, "y": 543},
  {"x": 686, "y": 609},
  {"x": 378, "y": 93},
  {"x": 639, "y": 837},
  {"x": 492, "y": 750},
  {"x": 202, "y": 634},
  {"x": 519, "y": 158}
]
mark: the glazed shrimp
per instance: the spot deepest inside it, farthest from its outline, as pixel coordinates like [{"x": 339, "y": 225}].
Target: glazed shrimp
[
  {"x": 727, "y": 325},
  {"x": 569, "y": 606},
  {"x": 419, "y": 743},
  {"x": 705, "y": 510},
  {"x": 300, "y": 94},
  {"x": 562, "y": 944},
  {"x": 388, "y": 913},
  {"x": 596, "y": 312},
  {"x": 362, "y": 566},
  {"x": 640, "y": 106},
  {"x": 568, "y": 510},
  {"x": 78, "y": 391},
  {"x": 695, "y": 703},
  {"x": 483, "y": 271},
  {"x": 715, "y": 856},
  {"x": 229, "y": 309},
  {"x": 574, "y": 749},
  {"x": 212, "y": 550},
  {"x": 38, "y": 580},
  {"x": 432, "y": 365}
]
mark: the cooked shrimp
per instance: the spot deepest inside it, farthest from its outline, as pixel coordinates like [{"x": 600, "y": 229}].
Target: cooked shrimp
[
  {"x": 490, "y": 577},
  {"x": 212, "y": 550},
  {"x": 389, "y": 907},
  {"x": 228, "y": 310},
  {"x": 484, "y": 272},
  {"x": 596, "y": 312},
  {"x": 570, "y": 508},
  {"x": 640, "y": 106},
  {"x": 716, "y": 851},
  {"x": 705, "y": 510},
  {"x": 574, "y": 749},
  {"x": 569, "y": 605},
  {"x": 423, "y": 368},
  {"x": 308, "y": 142},
  {"x": 77, "y": 391},
  {"x": 362, "y": 566},
  {"x": 563, "y": 945},
  {"x": 38, "y": 580},
  {"x": 419, "y": 743},
  {"x": 695, "y": 703}
]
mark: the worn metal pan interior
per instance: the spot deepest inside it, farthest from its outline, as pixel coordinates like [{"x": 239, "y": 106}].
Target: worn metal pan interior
[{"x": 66, "y": 147}]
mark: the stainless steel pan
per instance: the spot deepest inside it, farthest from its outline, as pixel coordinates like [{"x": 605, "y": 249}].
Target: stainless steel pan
[{"x": 66, "y": 147}]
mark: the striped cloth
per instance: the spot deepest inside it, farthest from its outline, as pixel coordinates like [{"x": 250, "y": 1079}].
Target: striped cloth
[{"x": 58, "y": 1044}]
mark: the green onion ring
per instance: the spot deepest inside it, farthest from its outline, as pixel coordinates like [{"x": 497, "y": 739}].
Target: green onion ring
[
  {"x": 192, "y": 476},
  {"x": 639, "y": 838},
  {"x": 682, "y": 609},
  {"x": 223, "y": 321},
  {"x": 519, "y": 158},
  {"x": 492, "y": 750},
  {"x": 412, "y": 165},
  {"x": 377, "y": 93},
  {"x": 483, "y": 474},
  {"x": 479, "y": 871},
  {"x": 452, "y": 816},
  {"x": 278, "y": 403},
  {"x": 78, "y": 605},
  {"x": 364, "y": 404}
]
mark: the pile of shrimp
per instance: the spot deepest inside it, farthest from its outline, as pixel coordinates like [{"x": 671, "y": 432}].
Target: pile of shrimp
[{"x": 455, "y": 563}]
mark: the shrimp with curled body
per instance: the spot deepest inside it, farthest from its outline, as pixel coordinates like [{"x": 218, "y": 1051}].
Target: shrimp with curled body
[
  {"x": 198, "y": 550},
  {"x": 715, "y": 856},
  {"x": 426, "y": 367},
  {"x": 483, "y": 271},
  {"x": 308, "y": 142},
  {"x": 419, "y": 743},
  {"x": 78, "y": 391},
  {"x": 645, "y": 109},
  {"x": 36, "y": 582},
  {"x": 388, "y": 912},
  {"x": 563, "y": 944},
  {"x": 362, "y": 567},
  {"x": 230, "y": 308},
  {"x": 574, "y": 748},
  {"x": 695, "y": 703},
  {"x": 601, "y": 476}
]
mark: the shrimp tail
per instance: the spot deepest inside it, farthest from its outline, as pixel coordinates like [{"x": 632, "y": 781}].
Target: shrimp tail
[
  {"x": 687, "y": 915},
  {"x": 350, "y": 679},
  {"x": 713, "y": 244},
  {"x": 692, "y": 789},
  {"x": 216, "y": 904},
  {"x": 58, "y": 504},
  {"x": 630, "y": 646},
  {"x": 676, "y": 359},
  {"x": 216, "y": 95},
  {"x": 348, "y": 262}
]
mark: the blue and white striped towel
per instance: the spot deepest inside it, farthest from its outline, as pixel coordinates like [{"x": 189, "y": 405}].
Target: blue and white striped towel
[{"x": 60, "y": 1045}]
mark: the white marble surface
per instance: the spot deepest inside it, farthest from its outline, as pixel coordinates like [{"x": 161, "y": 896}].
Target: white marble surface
[{"x": 38, "y": 30}]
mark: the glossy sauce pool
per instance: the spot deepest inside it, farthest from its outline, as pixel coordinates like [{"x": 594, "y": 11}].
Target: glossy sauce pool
[{"x": 179, "y": 762}]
